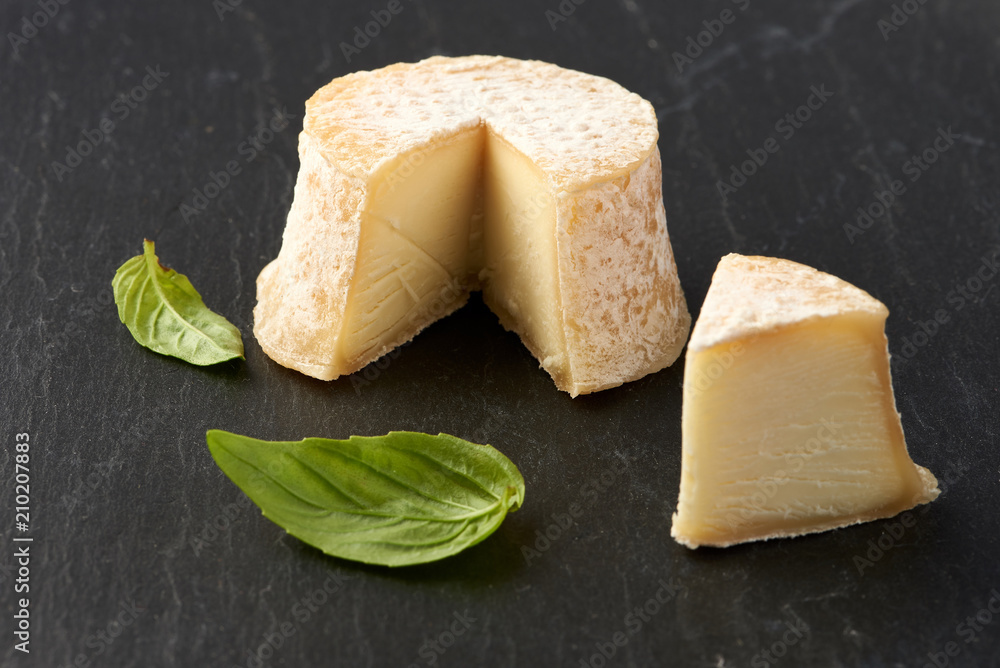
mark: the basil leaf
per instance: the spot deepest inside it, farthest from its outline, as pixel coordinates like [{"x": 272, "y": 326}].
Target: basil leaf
[
  {"x": 166, "y": 314},
  {"x": 395, "y": 500}
]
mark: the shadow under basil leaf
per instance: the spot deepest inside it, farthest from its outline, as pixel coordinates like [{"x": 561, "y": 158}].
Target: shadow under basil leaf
[{"x": 493, "y": 561}]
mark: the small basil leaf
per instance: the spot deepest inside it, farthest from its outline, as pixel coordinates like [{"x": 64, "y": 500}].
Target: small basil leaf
[
  {"x": 166, "y": 314},
  {"x": 395, "y": 500}
]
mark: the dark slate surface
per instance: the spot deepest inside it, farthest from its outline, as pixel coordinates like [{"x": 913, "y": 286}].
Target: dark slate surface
[{"x": 144, "y": 554}]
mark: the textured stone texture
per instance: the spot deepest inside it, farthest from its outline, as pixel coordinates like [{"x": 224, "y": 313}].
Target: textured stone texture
[{"x": 123, "y": 486}]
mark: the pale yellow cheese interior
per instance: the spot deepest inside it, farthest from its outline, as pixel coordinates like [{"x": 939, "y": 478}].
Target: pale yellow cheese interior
[
  {"x": 521, "y": 279},
  {"x": 466, "y": 213},
  {"x": 798, "y": 434},
  {"x": 414, "y": 247}
]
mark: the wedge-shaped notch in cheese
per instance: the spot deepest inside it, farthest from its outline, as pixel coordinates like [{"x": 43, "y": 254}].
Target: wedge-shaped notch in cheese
[
  {"x": 789, "y": 421},
  {"x": 422, "y": 182}
]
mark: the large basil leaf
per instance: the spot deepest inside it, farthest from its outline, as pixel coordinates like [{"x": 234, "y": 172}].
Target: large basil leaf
[
  {"x": 399, "y": 499},
  {"x": 166, "y": 314}
]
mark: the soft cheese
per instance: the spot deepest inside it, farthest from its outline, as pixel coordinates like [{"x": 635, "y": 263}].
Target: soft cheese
[
  {"x": 422, "y": 182},
  {"x": 789, "y": 420}
]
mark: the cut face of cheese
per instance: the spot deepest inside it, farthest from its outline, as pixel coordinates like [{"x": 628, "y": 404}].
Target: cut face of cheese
[
  {"x": 413, "y": 249},
  {"x": 519, "y": 255},
  {"x": 789, "y": 421},
  {"x": 422, "y": 182}
]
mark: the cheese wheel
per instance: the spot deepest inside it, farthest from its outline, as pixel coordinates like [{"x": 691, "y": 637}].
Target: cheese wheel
[{"x": 422, "y": 182}]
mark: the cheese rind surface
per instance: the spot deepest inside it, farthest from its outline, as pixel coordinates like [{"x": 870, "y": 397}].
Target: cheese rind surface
[
  {"x": 789, "y": 421},
  {"x": 422, "y": 182}
]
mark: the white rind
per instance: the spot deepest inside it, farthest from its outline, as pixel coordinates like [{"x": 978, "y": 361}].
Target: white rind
[
  {"x": 755, "y": 294},
  {"x": 301, "y": 294},
  {"x": 577, "y": 128},
  {"x": 624, "y": 313}
]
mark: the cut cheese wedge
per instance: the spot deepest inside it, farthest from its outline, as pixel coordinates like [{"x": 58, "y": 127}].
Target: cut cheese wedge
[
  {"x": 789, "y": 421},
  {"x": 422, "y": 182}
]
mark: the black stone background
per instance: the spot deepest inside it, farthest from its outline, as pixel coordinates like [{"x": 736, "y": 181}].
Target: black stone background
[{"x": 122, "y": 484}]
